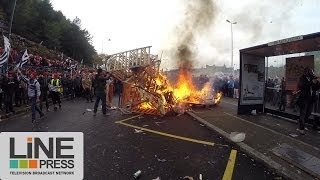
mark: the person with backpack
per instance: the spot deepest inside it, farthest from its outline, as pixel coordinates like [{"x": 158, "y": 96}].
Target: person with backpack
[
  {"x": 55, "y": 89},
  {"x": 34, "y": 93}
]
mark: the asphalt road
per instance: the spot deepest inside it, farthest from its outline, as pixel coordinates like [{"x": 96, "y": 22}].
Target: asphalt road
[{"x": 169, "y": 147}]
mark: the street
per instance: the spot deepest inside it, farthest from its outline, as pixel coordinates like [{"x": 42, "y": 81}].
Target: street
[{"x": 169, "y": 147}]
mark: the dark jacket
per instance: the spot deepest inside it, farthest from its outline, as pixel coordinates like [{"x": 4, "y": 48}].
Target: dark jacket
[
  {"x": 43, "y": 81},
  {"x": 100, "y": 83},
  {"x": 9, "y": 86},
  {"x": 305, "y": 87}
]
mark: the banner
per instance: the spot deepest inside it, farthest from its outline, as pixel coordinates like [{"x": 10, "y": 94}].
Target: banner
[{"x": 294, "y": 69}]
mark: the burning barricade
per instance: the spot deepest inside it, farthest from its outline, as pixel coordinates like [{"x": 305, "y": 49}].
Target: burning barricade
[{"x": 147, "y": 90}]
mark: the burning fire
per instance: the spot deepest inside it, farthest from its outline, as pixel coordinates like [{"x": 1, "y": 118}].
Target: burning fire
[{"x": 183, "y": 92}]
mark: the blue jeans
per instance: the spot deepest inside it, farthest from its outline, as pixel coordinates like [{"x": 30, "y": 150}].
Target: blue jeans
[
  {"x": 100, "y": 96},
  {"x": 34, "y": 108}
]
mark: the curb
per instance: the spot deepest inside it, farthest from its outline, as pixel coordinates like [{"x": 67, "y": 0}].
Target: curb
[{"x": 251, "y": 151}]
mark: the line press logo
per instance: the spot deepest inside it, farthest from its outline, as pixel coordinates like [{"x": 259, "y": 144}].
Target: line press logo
[{"x": 38, "y": 155}]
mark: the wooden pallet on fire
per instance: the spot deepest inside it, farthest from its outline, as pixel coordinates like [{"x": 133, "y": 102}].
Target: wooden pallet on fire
[{"x": 142, "y": 83}]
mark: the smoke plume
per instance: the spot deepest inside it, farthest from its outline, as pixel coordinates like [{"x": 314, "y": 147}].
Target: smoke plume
[{"x": 198, "y": 17}]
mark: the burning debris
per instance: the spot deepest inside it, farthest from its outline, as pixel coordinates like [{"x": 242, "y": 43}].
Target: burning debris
[{"x": 147, "y": 90}]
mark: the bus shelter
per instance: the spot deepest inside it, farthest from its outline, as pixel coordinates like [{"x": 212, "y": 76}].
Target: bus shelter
[{"x": 296, "y": 53}]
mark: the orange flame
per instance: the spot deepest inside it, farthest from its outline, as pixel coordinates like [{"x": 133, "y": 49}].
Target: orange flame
[{"x": 184, "y": 91}]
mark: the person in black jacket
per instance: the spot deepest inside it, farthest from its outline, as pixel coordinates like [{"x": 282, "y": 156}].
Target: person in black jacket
[
  {"x": 9, "y": 89},
  {"x": 307, "y": 83},
  {"x": 99, "y": 87},
  {"x": 44, "y": 88}
]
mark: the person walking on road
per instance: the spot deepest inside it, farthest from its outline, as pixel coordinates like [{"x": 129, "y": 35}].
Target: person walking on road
[
  {"x": 43, "y": 80},
  {"x": 99, "y": 86},
  {"x": 34, "y": 93},
  {"x": 55, "y": 89},
  {"x": 307, "y": 83},
  {"x": 87, "y": 86}
]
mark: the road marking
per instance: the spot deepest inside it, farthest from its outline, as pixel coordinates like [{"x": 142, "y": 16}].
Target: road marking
[
  {"x": 230, "y": 166},
  {"x": 127, "y": 119},
  {"x": 167, "y": 134}
]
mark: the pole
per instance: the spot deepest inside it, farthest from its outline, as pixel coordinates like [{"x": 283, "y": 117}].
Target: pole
[
  {"x": 11, "y": 20},
  {"x": 232, "y": 50}
]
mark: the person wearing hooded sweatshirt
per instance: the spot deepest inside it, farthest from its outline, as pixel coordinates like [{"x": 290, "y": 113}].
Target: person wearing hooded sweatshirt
[
  {"x": 55, "y": 89},
  {"x": 34, "y": 93}
]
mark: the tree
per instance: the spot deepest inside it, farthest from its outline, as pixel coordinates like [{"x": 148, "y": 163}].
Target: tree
[{"x": 36, "y": 20}]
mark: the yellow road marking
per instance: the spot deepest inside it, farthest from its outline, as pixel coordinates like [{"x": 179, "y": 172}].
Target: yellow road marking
[
  {"x": 167, "y": 135},
  {"x": 127, "y": 119},
  {"x": 229, "y": 169}
]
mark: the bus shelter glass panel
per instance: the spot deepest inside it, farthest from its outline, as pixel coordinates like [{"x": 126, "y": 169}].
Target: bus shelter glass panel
[{"x": 282, "y": 76}]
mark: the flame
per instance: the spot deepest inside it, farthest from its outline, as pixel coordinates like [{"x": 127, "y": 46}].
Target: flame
[
  {"x": 184, "y": 91},
  {"x": 146, "y": 105}
]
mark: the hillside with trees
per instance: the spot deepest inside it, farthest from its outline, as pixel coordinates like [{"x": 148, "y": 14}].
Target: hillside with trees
[{"x": 36, "y": 20}]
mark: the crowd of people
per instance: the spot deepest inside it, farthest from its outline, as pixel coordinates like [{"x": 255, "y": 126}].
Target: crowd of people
[{"x": 228, "y": 85}]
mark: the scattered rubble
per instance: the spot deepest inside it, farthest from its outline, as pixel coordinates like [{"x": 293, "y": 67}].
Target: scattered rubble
[
  {"x": 237, "y": 136},
  {"x": 137, "y": 131},
  {"x": 137, "y": 174},
  {"x": 293, "y": 135}
]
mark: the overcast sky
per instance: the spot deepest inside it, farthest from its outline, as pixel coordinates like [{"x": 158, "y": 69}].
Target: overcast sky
[{"x": 136, "y": 23}]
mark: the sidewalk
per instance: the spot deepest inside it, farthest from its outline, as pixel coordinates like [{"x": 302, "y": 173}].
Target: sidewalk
[{"x": 271, "y": 140}]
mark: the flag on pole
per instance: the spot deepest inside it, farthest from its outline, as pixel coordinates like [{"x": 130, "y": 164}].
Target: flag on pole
[
  {"x": 24, "y": 59},
  {"x": 6, "y": 53}
]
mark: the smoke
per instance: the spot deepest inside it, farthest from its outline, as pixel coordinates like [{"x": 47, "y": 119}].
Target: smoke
[
  {"x": 202, "y": 35},
  {"x": 273, "y": 16},
  {"x": 198, "y": 18}
]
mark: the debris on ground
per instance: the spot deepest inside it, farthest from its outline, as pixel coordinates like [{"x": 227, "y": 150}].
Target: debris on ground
[
  {"x": 160, "y": 122},
  {"x": 278, "y": 124},
  {"x": 158, "y": 178},
  {"x": 293, "y": 135},
  {"x": 237, "y": 136},
  {"x": 187, "y": 157},
  {"x": 200, "y": 176},
  {"x": 188, "y": 178},
  {"x": 138, "y": 131},
  {"x": 89, "y": 110},
  {"x": 254, "y": 112},
  {"x": 146, "y": 125},
  {"x": 202, "y": 125},
  {"x": 113, "y": 108},
  {"x": 137, "y": 174},
  {"x": 161, "y": 160}
]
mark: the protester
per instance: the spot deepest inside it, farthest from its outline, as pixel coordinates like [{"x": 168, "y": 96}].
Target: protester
[
  {"x": 87, "y": 86},
  {"x": 99, "y": 86},
  {"x": 283, "y": 102},
  {"x": 9, "y": 90},
  {"x": 33, "y": 94},
  {"x": 236, "y": 89},
  {"x": 43, "y": 80},
  {"x": 109, "y": 91},
  {"x": 307, "y": 83},
  {"x": 55, "y": 89}
]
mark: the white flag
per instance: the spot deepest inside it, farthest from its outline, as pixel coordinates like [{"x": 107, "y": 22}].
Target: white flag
[
  {"x": 6, "y": 53},
  {"x": 7, "y": 45},
  {"x": 24, "y": 59}
]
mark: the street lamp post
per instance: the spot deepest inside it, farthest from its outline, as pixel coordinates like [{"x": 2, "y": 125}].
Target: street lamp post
[
  {"x": 11, "y": 20},
  {"x": 231, "y": 23}
]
